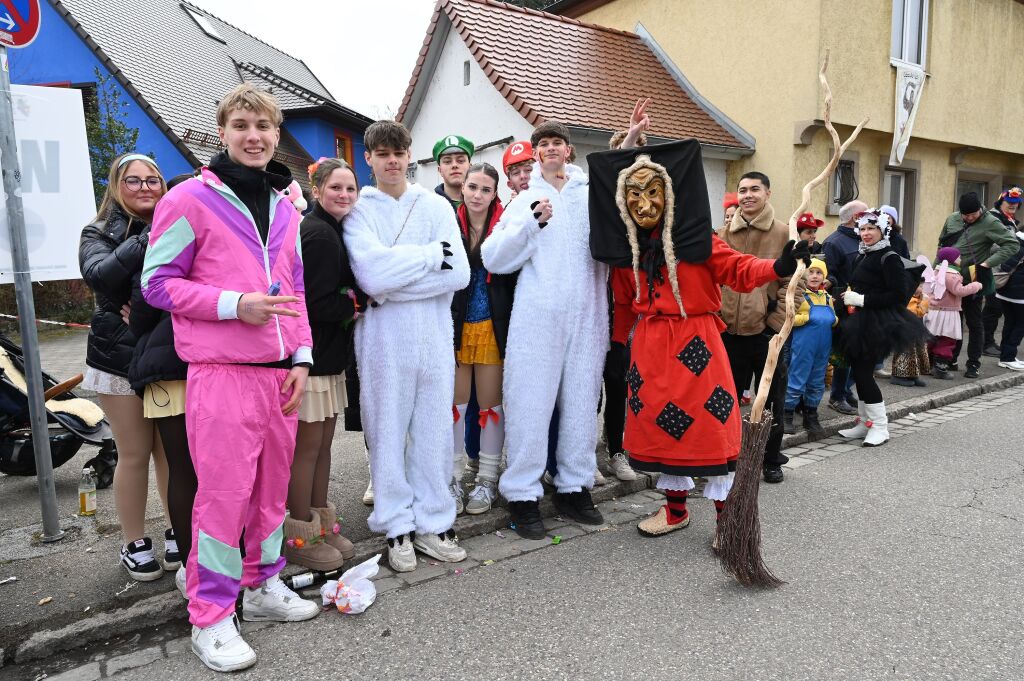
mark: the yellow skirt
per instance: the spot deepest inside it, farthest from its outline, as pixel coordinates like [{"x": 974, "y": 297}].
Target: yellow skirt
[
  {"x": 163, "y": 398},
  {"x": 479, "y": 346},
  {"x": 324, "y": 398}
]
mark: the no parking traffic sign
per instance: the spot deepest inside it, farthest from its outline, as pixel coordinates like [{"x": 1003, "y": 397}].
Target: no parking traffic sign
[{"x": 19, "y": 22}]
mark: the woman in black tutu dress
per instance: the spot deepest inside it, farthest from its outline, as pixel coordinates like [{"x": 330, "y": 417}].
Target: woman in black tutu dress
[{"x": 875, "y": 322}]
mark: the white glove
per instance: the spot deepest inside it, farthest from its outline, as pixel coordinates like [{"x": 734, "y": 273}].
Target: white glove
[{"x": 853, "y": 298}]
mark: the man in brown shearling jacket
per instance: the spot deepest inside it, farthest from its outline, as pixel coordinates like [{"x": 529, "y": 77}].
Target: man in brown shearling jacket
[{"x": 753, "y": 318}]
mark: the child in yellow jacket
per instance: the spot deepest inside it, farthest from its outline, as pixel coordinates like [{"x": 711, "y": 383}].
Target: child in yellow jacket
[
  {"x": 811, "y": 346},
  {"x": 907, "y": 367}
]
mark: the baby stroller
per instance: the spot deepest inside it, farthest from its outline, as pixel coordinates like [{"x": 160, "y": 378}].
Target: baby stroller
[{"x": 72, "y": 421}]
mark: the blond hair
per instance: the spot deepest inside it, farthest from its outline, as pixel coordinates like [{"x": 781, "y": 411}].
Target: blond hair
[
  {"x": 247, "y": 98},
  {"x": 671, "y": 264},
  {"x": 117, "y": 173}
]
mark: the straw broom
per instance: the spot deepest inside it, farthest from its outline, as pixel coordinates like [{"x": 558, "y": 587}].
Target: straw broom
[{"x": 739, "y": 532}]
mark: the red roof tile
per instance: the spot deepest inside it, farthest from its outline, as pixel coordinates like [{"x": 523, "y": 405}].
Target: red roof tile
[{"x": 551, "y": 67}]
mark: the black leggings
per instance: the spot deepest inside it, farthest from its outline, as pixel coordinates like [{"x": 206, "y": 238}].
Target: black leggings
[
  {"x": 181, "y": 481},
  {"x": 615, "y": 391},
  {"x": 863, "y": 372}
]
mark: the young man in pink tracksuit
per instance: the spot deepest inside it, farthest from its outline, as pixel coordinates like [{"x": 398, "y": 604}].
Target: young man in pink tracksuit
[{"x": 224, "y": 259}]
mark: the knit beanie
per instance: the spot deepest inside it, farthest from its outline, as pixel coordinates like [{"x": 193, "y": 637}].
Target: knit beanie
[
  {"x": 949, "y": 254},
  {"x": 817, "y": 264},
  {"x": 969, "y": 203}
]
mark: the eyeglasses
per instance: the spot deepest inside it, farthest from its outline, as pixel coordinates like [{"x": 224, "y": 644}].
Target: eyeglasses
[{"x": 135, "y": 183}]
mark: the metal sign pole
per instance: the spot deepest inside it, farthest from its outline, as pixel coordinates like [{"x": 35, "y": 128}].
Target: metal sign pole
[{"x": 26, "y": 308}]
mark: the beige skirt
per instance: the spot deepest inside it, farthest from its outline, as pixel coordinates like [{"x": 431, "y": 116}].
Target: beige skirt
[
  {"x": 324, "y": 398},
  {"x": 163, "y": 398}
]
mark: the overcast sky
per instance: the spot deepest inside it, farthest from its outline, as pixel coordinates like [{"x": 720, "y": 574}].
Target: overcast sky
[{"x": 362, "y": 50}]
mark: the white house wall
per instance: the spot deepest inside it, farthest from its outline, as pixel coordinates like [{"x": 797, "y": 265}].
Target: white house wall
[{"x": 478, "y": 112}]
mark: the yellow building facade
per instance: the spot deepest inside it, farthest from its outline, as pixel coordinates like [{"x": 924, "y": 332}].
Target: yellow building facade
[{"x": 757, "y": 62}]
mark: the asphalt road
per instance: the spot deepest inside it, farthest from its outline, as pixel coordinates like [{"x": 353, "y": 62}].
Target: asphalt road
[{"x": 902, "y": 562}]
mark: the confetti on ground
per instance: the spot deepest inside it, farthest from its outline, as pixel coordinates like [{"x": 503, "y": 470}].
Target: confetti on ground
[
  {"x": 488, "y": 562},
  {"x": 87, "y": 608},
  {"x": 459, "y": 571},
  {"x": 8, "y": 580},
  {"x": 127, "y": 587},
  {"x": 44, "y": 601},
  {"x": 90, "y": 550},
  {"x": 557, "y": 539},
  {"x": 511, "y": 526},
  {"x": 497, "y": 534},
  {"x": 635, "y": 506},
  {"x": 434, "y": 562}
]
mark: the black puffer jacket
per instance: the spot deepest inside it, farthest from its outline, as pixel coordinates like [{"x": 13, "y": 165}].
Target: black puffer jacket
[
  {"x": 110, "y": 254},
  {"x": 154, "y": 358},
  {"x": 326, "y": 273},
  {"x": 1014, "y": 288}
]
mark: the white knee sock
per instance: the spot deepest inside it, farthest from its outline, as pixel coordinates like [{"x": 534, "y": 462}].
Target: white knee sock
[
  {"x": 459, "y": 434},
  {"x": 492, "y": 440}
]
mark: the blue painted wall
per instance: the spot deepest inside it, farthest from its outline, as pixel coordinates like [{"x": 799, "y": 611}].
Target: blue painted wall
[
  {"x": 317, "y": 138},
  {"x": 59, "y": 55}
]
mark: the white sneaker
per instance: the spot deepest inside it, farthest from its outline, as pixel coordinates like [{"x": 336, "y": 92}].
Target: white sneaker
[
  {"x": 274, "y": 601},
  {"x": 401, "y": 556},
  {"x": 455, "y": 487},
  {"x": 221, "y": 647},
  {"x": 440, "y": 546},
  {"x": 1015, "y": 365},
  {"x": 620, "y": 467},
  {"x": 481, "y": 498},
  {"x": 368, "y": 494},
  {"x": 599, "y": 478},
  {"x": 179, "y": 581}
]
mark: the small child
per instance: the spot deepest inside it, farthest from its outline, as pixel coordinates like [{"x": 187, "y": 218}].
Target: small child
[
  {"x": 812, "y": 344},
  {"x": 943, "y": 318},
  {"x": 907, "y": 367}
]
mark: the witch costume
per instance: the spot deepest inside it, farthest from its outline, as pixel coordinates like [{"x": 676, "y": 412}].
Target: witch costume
[{"x": 650, "y": 220}]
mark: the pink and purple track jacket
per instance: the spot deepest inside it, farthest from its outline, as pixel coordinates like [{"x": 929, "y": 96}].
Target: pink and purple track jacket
[{"x": 204, "y": 252}]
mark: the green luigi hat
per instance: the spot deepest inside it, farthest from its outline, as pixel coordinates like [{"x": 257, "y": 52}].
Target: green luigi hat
[{"x": 453, "y": 144}]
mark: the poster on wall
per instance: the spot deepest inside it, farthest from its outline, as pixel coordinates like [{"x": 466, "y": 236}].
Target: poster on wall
[
  {"x": 909, "y": 83},
  {"x": 56, "y": 181}
]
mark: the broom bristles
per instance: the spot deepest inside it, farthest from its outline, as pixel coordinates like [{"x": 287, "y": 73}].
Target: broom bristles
[{"x": 739, "y": 531}]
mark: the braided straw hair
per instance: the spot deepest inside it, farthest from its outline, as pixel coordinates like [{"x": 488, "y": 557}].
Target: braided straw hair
[{"x": 643, "y": 161}]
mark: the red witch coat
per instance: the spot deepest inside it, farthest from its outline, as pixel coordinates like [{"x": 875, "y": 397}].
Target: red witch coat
[{"x": 682, "y": 414}]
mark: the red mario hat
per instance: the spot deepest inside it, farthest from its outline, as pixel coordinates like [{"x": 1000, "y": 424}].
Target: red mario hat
[
  {"x": 517, "y": 152},
  {"x": 808, "y": 221},
  {"x": 730, "y": 200}
]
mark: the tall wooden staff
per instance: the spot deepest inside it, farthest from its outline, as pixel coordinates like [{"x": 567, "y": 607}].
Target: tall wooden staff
[{"x": 739, "y": 532}]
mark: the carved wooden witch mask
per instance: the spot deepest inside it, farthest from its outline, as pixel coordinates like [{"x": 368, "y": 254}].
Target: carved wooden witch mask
[{"x": 647, "y": 187}]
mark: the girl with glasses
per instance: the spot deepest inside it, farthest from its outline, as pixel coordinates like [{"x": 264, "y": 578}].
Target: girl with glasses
[{"x": 110, "y": 254}]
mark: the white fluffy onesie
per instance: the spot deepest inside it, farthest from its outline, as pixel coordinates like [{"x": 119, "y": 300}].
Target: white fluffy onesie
[
  {"x": 558, "y": 335},
  {"x": 405, "y": 353}
]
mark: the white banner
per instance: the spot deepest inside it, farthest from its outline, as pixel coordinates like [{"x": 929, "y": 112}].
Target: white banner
[
  {"x": 909, "y": 84},
  {"x": 56, "y": 181}
]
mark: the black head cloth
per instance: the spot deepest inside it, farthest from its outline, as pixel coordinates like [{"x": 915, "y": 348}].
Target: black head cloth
[{"x": 687, "y": 203}]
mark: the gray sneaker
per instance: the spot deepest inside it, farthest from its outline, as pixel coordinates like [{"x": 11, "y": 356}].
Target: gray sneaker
[{"x": 482, "y": 497}]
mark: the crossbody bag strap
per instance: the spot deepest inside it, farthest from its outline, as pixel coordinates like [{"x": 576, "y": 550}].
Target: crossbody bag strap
[{"x": 405, "y": 221}]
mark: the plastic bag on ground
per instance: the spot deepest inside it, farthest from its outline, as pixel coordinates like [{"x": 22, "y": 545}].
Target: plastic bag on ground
[{"x": 353, "y": 592}]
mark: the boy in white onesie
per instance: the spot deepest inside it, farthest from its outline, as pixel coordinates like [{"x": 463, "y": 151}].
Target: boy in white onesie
[
  {"x": 558, "y": 335},
  {"x": 406, "y": 252}
]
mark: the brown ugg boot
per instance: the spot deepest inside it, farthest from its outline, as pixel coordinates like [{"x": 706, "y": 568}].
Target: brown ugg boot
[
  {"x": 306, "y": 545},
  {"x": 332, "y": 530}
]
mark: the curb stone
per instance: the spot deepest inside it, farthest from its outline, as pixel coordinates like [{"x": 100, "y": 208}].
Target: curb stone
[{"x": 166, "y": 608}]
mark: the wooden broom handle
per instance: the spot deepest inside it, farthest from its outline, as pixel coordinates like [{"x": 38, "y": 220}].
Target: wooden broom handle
[
  {"x": 776, "y": 343},
  {"x": 62, "y": 388}
]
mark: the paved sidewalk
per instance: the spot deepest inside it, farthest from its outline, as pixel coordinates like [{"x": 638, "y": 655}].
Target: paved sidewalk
[{"x": 93, "y": 599}]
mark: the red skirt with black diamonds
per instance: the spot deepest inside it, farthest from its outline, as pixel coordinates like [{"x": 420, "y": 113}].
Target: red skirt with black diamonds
[{"x": 682, "y": 416}]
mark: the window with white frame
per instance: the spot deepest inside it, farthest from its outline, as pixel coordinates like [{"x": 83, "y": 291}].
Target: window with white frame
[{"x": 909, "y": 31}]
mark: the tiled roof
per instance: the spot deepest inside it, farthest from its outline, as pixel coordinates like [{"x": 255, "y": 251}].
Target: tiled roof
[
  {"x": 176, "y": 71},
  {"x": 550, "y": 67}
]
